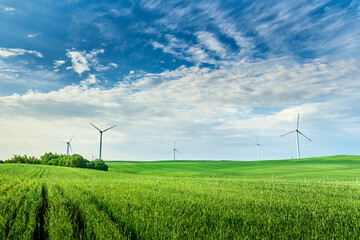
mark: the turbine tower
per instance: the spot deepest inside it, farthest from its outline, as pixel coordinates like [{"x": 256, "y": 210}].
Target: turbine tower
[
  {"x": 101, "y": 132},
  {"x": 68, "y": 145},
  {"x": 297, "y": 137},
  {"x": 258, "y": 148},
  {"x": 175, "y": 150}
]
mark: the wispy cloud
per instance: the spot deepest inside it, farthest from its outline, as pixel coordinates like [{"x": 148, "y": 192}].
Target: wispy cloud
[
  {"x": 263, "y": 29},
  {"x": 58, "y": 63},
  {"x": 211, "y": 43},
  {"x": 26, "y": 75},
  {"x": 7, "y": 9},
  {"x": 33, "y": 35},
  {"x": 11, "y": 52},
  {"x": 85, "y": 60}
]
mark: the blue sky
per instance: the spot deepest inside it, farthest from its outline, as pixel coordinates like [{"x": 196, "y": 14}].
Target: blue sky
[{"x": 211, "y": 75}]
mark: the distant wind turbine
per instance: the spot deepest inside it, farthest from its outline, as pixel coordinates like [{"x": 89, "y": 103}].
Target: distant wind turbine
[
  {"x": 68, "y": 145},
  {"x": 101, "y": 132},
  {"x": 258, "y": 148},
  {"x": 175, "y": 150},
  {"x": 297, "y": 136}
]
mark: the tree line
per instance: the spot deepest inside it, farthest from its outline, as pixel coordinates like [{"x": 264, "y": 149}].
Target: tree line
[{"x": 74, "y": 160}]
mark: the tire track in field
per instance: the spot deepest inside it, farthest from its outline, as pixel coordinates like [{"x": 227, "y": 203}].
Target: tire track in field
[
  {"x": 36, "y": 173},
  {"x": 40, "y": 233},
  {"x": 74, "y": 215},
  {"x": 124, "y": 228},
  {"x": 42, "y": 173}
]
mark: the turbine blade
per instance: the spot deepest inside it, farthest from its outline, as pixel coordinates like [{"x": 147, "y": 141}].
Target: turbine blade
[
  {"x": 257, "y": 142},
  {"x": 109, "y": 128},
  {"x": 70, "y": 147},
  {"x": 297, "y": 126},
  {"x": 71, "y": 138},
  {"x": 177, "y": 151},
  {"x": 95, "y": 127},
  {"x": 305, "y": 136},
  {"x": 287, "y": 133}
]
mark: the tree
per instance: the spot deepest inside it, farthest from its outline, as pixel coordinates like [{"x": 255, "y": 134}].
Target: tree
[
  {"x": 100, "y": 165},
  {"x": 77, "y": 160}
]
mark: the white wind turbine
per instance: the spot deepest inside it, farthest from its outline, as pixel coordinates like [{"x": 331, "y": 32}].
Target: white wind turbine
[
  {"x": 258, "y": 148},
  {"x": 101, "y": 132},
  {"x": 68, "y": 145},
  {"x": 175, "y": 150},
  {"x": 297, "y": 137}
]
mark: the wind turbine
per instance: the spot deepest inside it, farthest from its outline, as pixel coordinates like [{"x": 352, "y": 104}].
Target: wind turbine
[
  {"x": 297, "y": 136},
  {"x": 68, "y": 145},
  {"x": 175, "y": 150},
  {"x": 258, "y": 148},
  {"x": 101, "y": 132}
]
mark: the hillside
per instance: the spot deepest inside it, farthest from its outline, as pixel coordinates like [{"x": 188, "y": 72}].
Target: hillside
[
  {"x": 315, "y": 198},
  {"x": 340, "y": 167}
]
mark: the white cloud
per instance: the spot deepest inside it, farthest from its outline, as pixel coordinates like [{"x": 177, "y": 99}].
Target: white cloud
[
  {"x": 33, "y": 35},
  {"x": 85, "y": 60},
  {"x": 184, "y": 50},
  {"x": 198, "y": 106},
  {"x": 11, "y": 52},
  {"x": 58, "y": 63},
  {"x": 25, "y": 76},
  {"x": 209, "y": 40},
  {"x": 7, "y": 9},
  {"x": 90, "y": 80},
  {"x": 79, "y": 61},
  {"x": 114, "y": 65}
]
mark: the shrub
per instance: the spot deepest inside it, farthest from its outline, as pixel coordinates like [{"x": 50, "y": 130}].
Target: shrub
[
  {"x": 78, "y": 161},
  {"x": 74, "y": 160},
  {"x": 90, "y": 165},
  {"x": 100, "y": 165}
]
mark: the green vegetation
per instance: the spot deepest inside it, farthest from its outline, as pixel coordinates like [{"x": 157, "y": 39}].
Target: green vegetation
[
  {"x": 317, "y": 198},
  {"x": 74, "y": 160}
]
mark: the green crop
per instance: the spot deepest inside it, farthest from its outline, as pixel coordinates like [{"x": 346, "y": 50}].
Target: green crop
[{"x": 289, "y": 199}]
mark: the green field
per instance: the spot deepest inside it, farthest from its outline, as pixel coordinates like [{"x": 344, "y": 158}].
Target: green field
[{"x": 317, "y": 198}]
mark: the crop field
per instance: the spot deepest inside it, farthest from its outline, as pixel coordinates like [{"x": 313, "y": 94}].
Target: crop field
[{"x": 317, "y": 198}]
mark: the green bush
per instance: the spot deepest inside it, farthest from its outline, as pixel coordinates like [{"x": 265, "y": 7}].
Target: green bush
[
  {"x": 74, "y": 160},
  {"x": 78, "y": 161},
  {"x": 90, "y": 165},
  {"x": 100, "y": 165},
  {"x": 23, "y": 159}
]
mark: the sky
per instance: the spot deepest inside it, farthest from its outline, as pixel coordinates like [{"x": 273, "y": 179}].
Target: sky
[{"x": 210, "y": 75}]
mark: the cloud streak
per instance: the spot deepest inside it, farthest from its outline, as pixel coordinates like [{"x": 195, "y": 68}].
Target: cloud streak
[
  {"x": 12, "y": 52},
  {"x": 33, "y": 35},
  {"x": 7, "y": 9}
]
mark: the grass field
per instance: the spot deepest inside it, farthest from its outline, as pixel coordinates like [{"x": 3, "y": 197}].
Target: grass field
[{"x": 317, "y": 198}]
